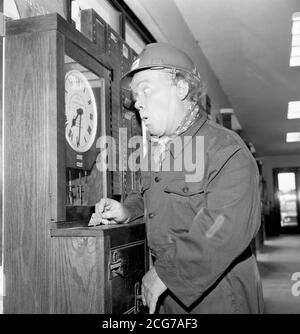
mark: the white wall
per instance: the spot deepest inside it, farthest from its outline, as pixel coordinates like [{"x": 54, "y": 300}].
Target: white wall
[
  {"x": 163, "y": 19},
  {"x": 270, "y": 162}
]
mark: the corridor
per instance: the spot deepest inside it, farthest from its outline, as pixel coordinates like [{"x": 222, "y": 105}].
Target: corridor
[{"x": 278, "y": 260}]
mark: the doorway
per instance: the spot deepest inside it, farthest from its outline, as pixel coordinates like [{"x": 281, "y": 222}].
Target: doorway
[{"x": 287, "y": 199}]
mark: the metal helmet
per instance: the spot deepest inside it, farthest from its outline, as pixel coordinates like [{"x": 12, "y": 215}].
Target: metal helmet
[{"x": 160, "y": 55}]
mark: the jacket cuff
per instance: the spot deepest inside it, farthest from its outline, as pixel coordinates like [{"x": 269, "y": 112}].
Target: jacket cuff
[{"x": 135, "y": 206}]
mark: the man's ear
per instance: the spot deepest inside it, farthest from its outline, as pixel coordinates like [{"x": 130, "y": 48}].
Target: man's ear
[{"x": 182, "y": 89}]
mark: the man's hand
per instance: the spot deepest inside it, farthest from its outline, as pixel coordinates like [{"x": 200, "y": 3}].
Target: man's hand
[
  {"x": 112, "y": 211},
  {"x": 152, "y": 288}
]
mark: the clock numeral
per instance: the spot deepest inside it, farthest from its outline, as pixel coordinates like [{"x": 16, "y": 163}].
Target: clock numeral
[
  {"x": 91, "y": 117},
  {"x": 89, "y": 129},
  {"x": 75, "y": 82},
  {"x": 85, "y": 139},
  {"x": 89, "y": 102},
  {"x": 70, "y": 134}
]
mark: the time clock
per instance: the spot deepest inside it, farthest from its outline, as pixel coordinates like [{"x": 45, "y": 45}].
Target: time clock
[{"x": 61, "y": 96}]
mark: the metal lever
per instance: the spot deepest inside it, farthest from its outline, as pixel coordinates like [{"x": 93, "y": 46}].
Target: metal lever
[
  {"x": 117, "y": 269},
  {"x": 70, "y": 187},
  {"x": 138, "y": 303},
  {"x": 80, "y": 189},
  {"x": 137, "y": 297}
]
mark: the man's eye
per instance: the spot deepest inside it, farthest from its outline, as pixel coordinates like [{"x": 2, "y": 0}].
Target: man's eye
[{"x": 146, "y": 91}]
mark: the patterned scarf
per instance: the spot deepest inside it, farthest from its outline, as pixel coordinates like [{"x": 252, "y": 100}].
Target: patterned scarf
[{"x": 159, "y": 145}]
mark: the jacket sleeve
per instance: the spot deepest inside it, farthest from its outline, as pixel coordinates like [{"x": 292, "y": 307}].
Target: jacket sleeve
[
  {"x": 220, "y": 231},
  {"x": 134, "y": 203}
]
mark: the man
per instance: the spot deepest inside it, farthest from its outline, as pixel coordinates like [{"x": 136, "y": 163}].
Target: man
[{"x": 200, "y": 217}]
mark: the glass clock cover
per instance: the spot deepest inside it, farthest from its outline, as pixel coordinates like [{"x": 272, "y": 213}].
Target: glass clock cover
[{"x": 81, "y": 111}]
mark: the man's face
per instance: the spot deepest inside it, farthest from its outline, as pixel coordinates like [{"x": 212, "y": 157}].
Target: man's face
[{"x": 156, "y": 100}]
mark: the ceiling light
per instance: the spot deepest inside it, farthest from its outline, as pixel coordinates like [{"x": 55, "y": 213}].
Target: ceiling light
[
  {"x": 296, "y": 23},
  {"x": 292, "y": 137},
  {"x": 294, "y": 110},
  {"x": 295, "y": 61},
  {"x": 296, "y": 40},
  {"x": 226, "y": 111},
  {"x": 295, "y": 52}
]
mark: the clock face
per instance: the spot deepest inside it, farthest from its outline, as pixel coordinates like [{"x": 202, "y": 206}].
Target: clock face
[{"x": 81, "y": 112}]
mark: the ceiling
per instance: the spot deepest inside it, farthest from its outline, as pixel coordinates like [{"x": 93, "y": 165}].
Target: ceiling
[{"x": 247, "y": 43}]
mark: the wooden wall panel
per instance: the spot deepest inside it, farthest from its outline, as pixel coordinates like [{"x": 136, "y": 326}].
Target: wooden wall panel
[
  {"x": 29, "y": 101},
  {"x": 113, "y": 45},
  {"x": 1, "y": 125},
  {"x": 1, "y": 147},
  {"x": 130, "y": 117}
]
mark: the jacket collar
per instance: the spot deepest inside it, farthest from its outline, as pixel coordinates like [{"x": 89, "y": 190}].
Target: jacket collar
[
  {"x": 190, "y": 133},
  {"x": 193, "y": 129}
]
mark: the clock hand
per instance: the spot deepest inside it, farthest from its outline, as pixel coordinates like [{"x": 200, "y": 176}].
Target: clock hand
[
  {"x": 74, "y": 121},
  {"x": 79, "y": 113}
]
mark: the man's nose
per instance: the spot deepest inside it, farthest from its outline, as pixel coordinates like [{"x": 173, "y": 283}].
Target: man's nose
[{"x": 138, "y": 105}]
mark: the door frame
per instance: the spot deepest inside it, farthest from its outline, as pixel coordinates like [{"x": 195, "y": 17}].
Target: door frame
[{"x": 276, "y": 171}]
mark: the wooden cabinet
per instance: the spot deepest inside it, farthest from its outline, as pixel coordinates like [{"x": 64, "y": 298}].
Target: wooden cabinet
[
  {"x": 54, "y": 263},
  {"x": 98, "y": 270}
]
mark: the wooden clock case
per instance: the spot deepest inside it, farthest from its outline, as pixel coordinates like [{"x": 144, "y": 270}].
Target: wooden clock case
[{"x": 54, "y": 263}]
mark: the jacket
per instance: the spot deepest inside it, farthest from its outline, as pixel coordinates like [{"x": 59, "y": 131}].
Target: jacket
[{"x": 199, "y": 229}]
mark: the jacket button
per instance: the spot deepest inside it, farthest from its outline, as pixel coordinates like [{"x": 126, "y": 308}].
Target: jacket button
[
  {"x": 157, "y": 179},
  {"x": 151, "y": 215},
  {"x": 185, "y": 189}
]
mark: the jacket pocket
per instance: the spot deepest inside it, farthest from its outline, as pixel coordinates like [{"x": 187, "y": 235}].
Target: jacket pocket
[
  {"x": 183, "y": 201},
  {"x": 182, "y": 188}
]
